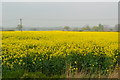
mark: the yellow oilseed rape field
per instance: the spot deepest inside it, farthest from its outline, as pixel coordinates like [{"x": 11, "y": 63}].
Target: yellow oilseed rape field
[{"x": 58, "y": 52}]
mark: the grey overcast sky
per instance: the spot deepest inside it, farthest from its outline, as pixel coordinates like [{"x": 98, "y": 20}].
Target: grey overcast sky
[{"x": 55, "y": 14}]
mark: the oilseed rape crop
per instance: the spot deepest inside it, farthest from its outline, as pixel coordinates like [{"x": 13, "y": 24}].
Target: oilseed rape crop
[{"x": 59, "y": 52}]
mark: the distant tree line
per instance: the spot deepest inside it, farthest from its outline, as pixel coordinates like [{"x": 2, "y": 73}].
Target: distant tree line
[{"x": 100, "y": 27}]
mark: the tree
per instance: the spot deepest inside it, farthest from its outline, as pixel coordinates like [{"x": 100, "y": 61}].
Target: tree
[
  {"x": 111, "y": 29},
  {"x": 100, "y": 27},
  {"x": 86, "y": 28},
  {"x": 95, "y": 28},
  {"x": 67, "y": 28}
]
